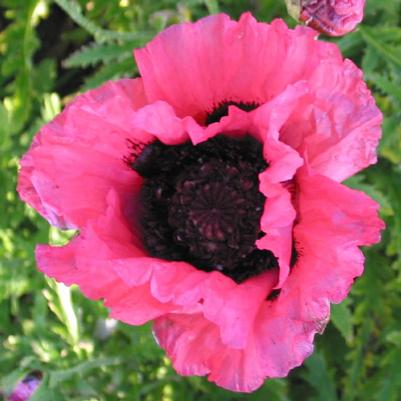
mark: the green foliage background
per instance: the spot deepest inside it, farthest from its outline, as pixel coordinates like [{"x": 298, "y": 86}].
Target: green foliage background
[{"x": 51, "y": 50}]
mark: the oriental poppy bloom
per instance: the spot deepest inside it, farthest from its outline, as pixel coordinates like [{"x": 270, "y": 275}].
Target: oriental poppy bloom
[
  {"x": 332, "y": 17},
  {"x": 208, "y": 195}
]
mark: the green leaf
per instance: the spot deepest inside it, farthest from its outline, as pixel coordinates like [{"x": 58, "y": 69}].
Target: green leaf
[
  {"x": 212, "y": 6},
  {"x": 356, "y": 369},
  {"x": 4, "y": 126},
  {"x": 390, "y": 53},
  {"x": 394, "y": 337},
  {"x": 319, "y": 378},
  {"x": 386, "y": 86},
  {"x": 99, "y": 53},
  {"x": 341, "y": 317},
  {"x": 55, "y": 378},
  {"x": 43, "y": 391},
  {"x": 124, "y": 68},
  {"x": 351, "y": 44},
  {"x": 73, "y": 9}
]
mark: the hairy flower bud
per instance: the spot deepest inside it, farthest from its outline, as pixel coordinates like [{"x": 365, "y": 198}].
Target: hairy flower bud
[{"x": 332, "y": 17}]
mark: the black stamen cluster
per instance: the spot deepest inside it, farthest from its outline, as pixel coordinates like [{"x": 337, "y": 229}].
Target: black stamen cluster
[{"x": 202, "y": 204}]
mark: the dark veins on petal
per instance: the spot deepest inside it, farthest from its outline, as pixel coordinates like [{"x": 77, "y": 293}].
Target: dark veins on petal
[
  {"x": 201, "y": 204},
  {"x": 222, "y": 110}
]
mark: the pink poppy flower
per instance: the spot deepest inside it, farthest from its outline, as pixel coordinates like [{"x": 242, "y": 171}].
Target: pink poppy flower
[
  {"x": 208, "y": 194},
  {"x": 332, "y": 17}
]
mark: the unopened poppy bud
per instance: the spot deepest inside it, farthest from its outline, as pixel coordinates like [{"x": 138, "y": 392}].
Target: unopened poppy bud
[{"x": 331, "y": 17}]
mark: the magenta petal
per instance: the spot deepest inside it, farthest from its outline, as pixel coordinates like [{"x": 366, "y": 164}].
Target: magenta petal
[
  {"x": 160, "y": 120},
  {"x": 75, "y": 159},
  {"x": 279, "y": 213},
  {"x": 334, "y": 222},
  {"x": 337, "y": 130},
  {"x": 195, "y": 67},
  {"x": 88, "y": 261},
  {"x": 107, "y": 262},
  {"x": 275, "y": 346},
  {"x": 230, "y": 307}
]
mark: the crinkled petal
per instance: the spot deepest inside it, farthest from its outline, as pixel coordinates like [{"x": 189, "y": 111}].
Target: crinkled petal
[
  {"x": 234, "y": 308},
  {"x": 160, "y": 120},
  {"x": 196, "y": 66},
  {"x": 219, "y": 298},
  {"x": 334, "y": 222},
  {"x": 279, "y": 213},
  {"x": 338, "y": 130},
  {"x": 75, "y": 159},
  {"x": 88, "y": 262},
  {"x": 68, "y": 265},
  {"x": 107, "y": 261},
  {"x": 195, "y": 347}
]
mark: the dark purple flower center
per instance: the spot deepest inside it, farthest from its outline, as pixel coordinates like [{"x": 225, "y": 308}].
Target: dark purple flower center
[{"x": 201, "y": 204}]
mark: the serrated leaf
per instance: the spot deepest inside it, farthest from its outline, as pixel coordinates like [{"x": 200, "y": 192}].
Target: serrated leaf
[
  {"x": 389, "y": 52},
  {"x": 73, "y": 9},
  {"x": 388, "y": 87},
  {"x": 388, "y": 33},
  {"x": 99, "y": 53}
]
